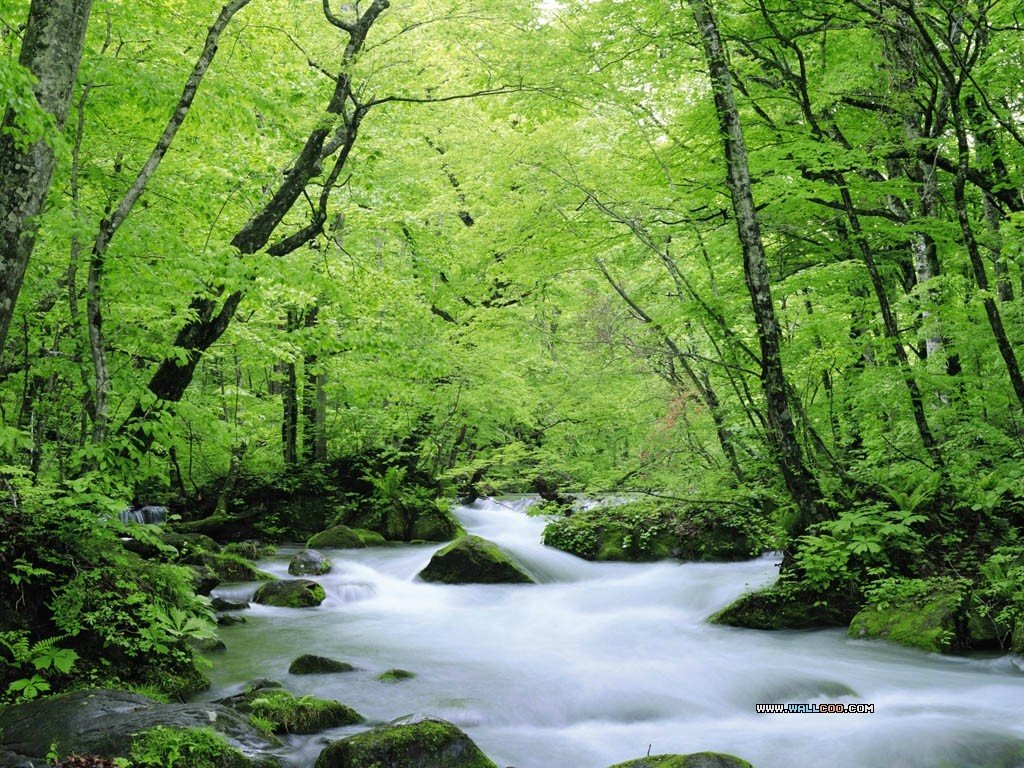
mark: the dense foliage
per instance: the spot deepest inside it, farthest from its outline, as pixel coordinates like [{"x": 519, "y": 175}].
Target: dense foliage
[{"x": 308, "y": 268}]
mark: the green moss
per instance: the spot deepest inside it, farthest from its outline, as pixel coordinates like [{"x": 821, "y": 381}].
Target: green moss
[
  {"x": 473, "y": 560},
  {"x": 290, "y": 714},
  {"x": 229, "y": 567},
  {"x": 250, "y": 550},
  {"x": 336, "y": 537},
  {"x": 928, "y": 623},
  {"x": 413, "y": 743},
  {"x": 786, "y": 607},
  {"x": 308, "y": 664},
  {"x": 436, "y": 525},
  {"x": 179, "y": 681},
  {"x": 370, "y": 538},
  {"x": 291, "y": 593},
  {"x": 696, "y": 760},
  {"x": 394, "y": 675},
  {"x": 648, "y": 530},
  {"x": 162, "y": 747}
]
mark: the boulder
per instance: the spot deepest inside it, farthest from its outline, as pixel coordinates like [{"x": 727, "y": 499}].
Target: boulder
[
  {"x": 928, "y": 623},
  {"x": 394, "y": 675},
  {"x": 695, "y": 760},
  {"x": 189, "y": 543},
  {"x": 223, "y": 604},
  {"x": 435, "y": 525},
  {"x": 336, "y": 537},
  {"x": 204, "y": 580},
  {"x": 308, "y": 664},
  {"x": 417, "y": 741},
  {"x": 290, "y": 593},
  {"x": 228, "y": 567},
  {"x": 251, "y": 549},
  {"x": 207, "y": 644},
  {"x": 370, "y": 538},
  {"x": 473, "y": 560},
  {"x": 786, "y": 608},
  {"x": 104, "y": 723},
  {"x": 309, "y": 562},
  {"x": 292, "y": 714}
]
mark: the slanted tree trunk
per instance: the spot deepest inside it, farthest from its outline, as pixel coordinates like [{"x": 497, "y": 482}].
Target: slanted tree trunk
[
  {"x": 801, "y": 484},
  {"x": 50, "y": 50},
  {"x": 210, "y": 316}
]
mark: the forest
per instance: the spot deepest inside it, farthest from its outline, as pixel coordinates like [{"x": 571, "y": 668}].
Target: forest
[{"x": 689, "y": 282}]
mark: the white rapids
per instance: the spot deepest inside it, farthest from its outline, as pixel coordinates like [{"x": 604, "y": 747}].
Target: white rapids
[{"x": 602, "y": 662}]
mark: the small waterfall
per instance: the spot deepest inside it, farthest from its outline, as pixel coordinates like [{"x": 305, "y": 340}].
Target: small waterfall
[{"x": 149, "y": 514}]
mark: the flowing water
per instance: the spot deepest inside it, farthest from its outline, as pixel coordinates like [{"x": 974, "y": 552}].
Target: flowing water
[{"x": 603, "y": 661}]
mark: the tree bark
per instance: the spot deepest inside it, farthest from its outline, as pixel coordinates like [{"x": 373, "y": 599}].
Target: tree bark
[
  {"x": 51, "y": 51},
  {"x": 801, "y": 484}
]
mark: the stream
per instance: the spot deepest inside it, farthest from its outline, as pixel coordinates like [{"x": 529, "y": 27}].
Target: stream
[{"x": 603, "y": 661}]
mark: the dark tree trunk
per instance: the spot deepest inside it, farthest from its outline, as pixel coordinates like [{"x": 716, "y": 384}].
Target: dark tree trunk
[
  {"x": 290, "y": 415},
  {"x": 209, "y": 316},
  {"x": 801, "y": 484},
  {"x": 50, "y": 50},
  {"x": 314, "y": 437}
]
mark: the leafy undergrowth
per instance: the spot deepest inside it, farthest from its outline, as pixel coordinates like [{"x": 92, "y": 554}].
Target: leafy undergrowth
[
  {"x": 78, "y": 609},
  {"x": 654, "y": 529}
]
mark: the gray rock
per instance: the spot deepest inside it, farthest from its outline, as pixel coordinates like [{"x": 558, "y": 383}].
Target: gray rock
[
  {"x": 223, "y": 604},
  {"x": 103, "y": 722},
  {"x": 309, "y": 562}
]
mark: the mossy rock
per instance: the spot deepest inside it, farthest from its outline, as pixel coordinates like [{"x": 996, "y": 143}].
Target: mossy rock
[
  {"x": 224, "y": 604},
  {"x": 647, "y": 530},
  {"x": 695, "y": 760},
  {"x": 394, "y": 675},
  {"x": 293, "y": 714},
  {"x": 982, "y": 633},
  {"x": 189, "y": 543},
  {"x": 308, "y": 664},
  {"x": 204, "y": 580},
  {"x": 411, "y": 742},
  {"x": 474, "y": 560},
  {"x": 251, "y": 549},
  {"x": 928, "y": 623},
  {"x": 309, "y": 562},
  {"x": 786, "y": 608},
  {"x": 110, "y": 723},
  {"x": 370, "y": 538},
  {"x": 290, "y": 593},
  {"x": 231, "y": 567},
  {"x": 336, "y": 537},
  {"x": 207, "y": 644},
  {"x": 436, "y": 525}
]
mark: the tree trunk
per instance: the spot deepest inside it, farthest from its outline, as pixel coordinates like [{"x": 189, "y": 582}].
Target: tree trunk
[
  {"x": 290, "y": 415},
  {"x": 314, "y": 438},
  {"x": 209, "y": 316},
  {"x": 801, "y": 484},
  {"x": 51, "y": 51}
]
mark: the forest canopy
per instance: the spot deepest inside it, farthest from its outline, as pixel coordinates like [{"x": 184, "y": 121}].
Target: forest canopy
[{"x": 761, "y": 258}]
